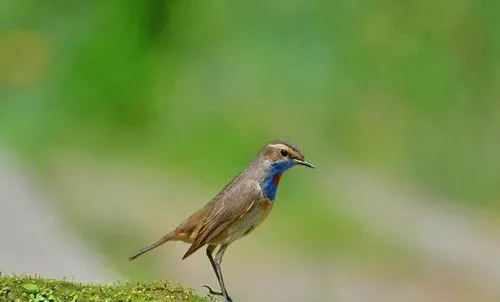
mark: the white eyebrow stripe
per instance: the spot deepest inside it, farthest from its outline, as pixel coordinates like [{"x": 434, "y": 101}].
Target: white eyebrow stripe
[{"x": 279, "y": 145}]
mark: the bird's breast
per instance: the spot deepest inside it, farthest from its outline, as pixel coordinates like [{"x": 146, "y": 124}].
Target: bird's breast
[
  {"x": 270, "y": 184},
  {"x": 248, "y": 221}
]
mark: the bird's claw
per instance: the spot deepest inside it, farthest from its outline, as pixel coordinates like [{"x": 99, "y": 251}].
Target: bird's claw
[{"x": 211, "y": 291}]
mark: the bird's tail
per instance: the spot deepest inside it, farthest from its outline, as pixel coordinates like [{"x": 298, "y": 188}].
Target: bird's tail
[{"x": 156, "y": 244}]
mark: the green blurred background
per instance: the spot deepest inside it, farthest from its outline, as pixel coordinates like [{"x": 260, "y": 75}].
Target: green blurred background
[{"x": 134, "y": 113}]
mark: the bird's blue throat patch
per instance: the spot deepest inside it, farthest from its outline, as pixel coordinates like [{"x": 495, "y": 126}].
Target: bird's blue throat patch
[{"x": 271, "y": 181}]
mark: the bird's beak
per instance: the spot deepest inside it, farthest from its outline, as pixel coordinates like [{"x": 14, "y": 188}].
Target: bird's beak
[{"x": 304, "y": 163}]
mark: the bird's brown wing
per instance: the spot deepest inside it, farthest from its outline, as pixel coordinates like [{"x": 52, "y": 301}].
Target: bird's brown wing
[{"x": 227, "y": 207}]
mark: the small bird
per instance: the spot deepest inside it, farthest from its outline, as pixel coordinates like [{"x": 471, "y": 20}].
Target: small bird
[{"x": 237, "y": 209}]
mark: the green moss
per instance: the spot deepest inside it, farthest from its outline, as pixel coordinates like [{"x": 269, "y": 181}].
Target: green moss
[{"x": 34, "y": 289}]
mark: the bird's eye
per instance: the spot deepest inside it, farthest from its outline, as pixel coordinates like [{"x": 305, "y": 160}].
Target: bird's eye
[{"x": 284, "y": 153}]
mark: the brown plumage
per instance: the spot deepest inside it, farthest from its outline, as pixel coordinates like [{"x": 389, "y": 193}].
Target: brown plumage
[{"x": 237, "y": 209}]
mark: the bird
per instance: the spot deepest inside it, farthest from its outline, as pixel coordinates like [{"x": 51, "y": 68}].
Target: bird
[{"x": 237, "y": 209}]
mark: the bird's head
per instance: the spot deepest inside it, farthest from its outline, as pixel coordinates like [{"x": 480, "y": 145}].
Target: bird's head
[
  {"x": 281, "y": 156},
  {"x": 275, "y": 158}
]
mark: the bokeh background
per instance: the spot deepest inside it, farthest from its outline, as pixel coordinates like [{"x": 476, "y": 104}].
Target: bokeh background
[{"x": 120, "y": 118}]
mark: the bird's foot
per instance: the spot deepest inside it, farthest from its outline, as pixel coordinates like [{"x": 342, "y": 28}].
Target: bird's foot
[{"x": 212, "y": 292}]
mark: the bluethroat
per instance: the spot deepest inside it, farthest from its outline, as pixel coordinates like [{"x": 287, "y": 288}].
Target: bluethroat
[{"x": 237, "y": 209}]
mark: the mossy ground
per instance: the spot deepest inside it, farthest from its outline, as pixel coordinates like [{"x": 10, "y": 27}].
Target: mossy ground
[{"x": 34, "y": 289}]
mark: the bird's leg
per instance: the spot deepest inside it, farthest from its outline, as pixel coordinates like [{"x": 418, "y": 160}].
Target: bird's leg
[
  {"x": 218, "y": 261},
  {"x": 216, "y": 264},
  {"x": 209, "y": 251}
]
